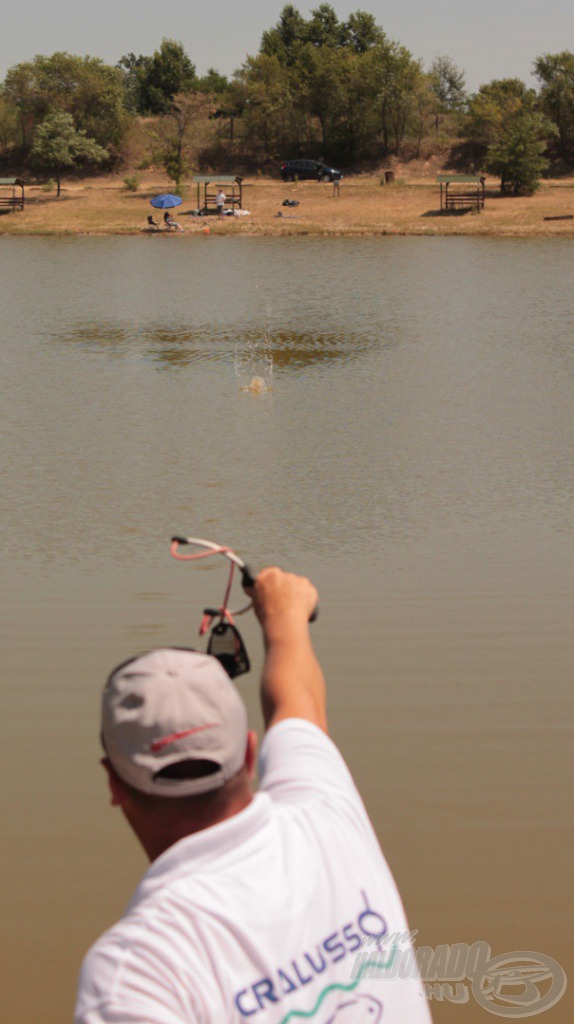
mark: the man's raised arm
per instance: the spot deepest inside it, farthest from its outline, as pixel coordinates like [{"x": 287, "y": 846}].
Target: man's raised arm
[{"x": 292, "y": 683}]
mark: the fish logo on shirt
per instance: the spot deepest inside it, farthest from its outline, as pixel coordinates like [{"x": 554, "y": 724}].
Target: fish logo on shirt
[{"x": 360, "y": 1009}]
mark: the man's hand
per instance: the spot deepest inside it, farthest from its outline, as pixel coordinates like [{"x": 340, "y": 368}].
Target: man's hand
[
  {"x": 292, "y": 684},
  {"x": 282, "y": 600}
]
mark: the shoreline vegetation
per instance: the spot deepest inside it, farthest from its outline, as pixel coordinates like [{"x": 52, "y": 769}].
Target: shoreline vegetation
[
  {"x": 408, "y": 206},
  {"x": 319, "y": 87}
]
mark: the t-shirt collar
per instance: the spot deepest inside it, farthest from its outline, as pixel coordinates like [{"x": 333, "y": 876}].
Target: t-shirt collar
[{"x": 189, "y": 854}]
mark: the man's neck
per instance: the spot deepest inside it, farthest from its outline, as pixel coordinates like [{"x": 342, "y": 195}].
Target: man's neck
[{"x": 165, "y": 830}]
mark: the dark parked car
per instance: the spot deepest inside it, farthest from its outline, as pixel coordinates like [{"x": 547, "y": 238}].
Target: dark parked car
[{"x": 306, "y": 170}]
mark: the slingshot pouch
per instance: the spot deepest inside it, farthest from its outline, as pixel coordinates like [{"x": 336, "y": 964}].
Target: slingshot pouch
[{"x": 226, "y": 644}]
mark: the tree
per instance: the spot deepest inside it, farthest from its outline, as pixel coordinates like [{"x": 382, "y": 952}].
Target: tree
[
  {"x": 58, "y": 144},
  {"x": 447, "y": 83},
  {"x": 272, "y": 119},
  {"x": 424, "y": 111},
  {"x": 494, "y": 106},
  {"x": 555, "y": 71},
  {"x": 517, "y": 156},
  {"x": 187, "y": 113},
  {"x": 323, "y": 87},
  {"x": 84, "y": 87},
  {"x": 134, "y": 70},
  {"x": 362, "y": 32},
  {"x": 168, "y": 72},
  {"x": 336, "y": 86},
  {"x": 400, "y": 79},
  {"x": 285, "y": 39},
  {"x": 324, "y": 28},
  {"x": 9, "y": 128},
  {"x": 504, "y": 119},
  {"x": 213, "y": 83}
]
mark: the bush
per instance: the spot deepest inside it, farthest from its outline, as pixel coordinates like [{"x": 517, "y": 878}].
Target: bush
[{"x": 132, "y": 183}]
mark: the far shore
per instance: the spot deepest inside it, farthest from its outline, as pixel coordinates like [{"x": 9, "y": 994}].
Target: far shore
[{"x": 364, "y": 207}]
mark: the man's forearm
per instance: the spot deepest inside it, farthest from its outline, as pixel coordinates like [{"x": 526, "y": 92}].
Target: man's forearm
[{"x": 292, "y": 684}]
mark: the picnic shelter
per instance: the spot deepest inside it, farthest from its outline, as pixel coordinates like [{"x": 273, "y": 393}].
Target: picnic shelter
[
  {"x": 8, "y": 196},
  {"x": 461, "y": 191},
  {"x": 208, "y": 186}
]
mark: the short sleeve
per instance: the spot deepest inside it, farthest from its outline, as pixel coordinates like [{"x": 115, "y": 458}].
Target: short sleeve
[
  {"x": 112, "y": 990},
  {"x": 297, "y": 756}
]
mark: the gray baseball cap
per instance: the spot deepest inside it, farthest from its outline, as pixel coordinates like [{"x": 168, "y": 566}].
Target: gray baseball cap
[{"x": 171, "y": 710}]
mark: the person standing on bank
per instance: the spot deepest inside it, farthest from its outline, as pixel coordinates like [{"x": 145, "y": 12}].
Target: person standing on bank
[
  {"x": 265, "y": 908},
  {"x": 220, "y": 201}
]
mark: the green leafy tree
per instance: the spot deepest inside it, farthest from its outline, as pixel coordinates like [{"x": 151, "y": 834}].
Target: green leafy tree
[
  {"x": 338, "y": 87},
  {"x": 448, "y": 83},
  {"x": 555, "y": 71},
  {"x": 505, "y": 122},
  {"x": 213, "y": 83},
  {"x": 272, "y": 120},
  {"x": 359, "y": 128},
  {"x": 284, "y": 41},
  {"x": 84, "y": 87},
  {"x": 400, "y": 78},
  {"x": 494, "y": 106},
  {"x": 518, "y": 154},
  {"x": 324, "y": 28},
  {"x": 168, "y": 72},
  {"x": 134, "y": 72},
  {"x": 362, "y": 33},
  {"x": 323, "y": 91},
  {"x": 59, "y": 145}
]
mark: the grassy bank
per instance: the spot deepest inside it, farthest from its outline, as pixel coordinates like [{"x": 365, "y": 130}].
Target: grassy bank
[{"x": 410, "y": 206}]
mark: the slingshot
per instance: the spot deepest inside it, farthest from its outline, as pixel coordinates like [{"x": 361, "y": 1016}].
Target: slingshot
[{"x": 225, "y": 641}]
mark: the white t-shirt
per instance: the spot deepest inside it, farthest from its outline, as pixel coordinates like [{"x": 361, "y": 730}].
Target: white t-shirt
[{"x": 283, "y": 913}]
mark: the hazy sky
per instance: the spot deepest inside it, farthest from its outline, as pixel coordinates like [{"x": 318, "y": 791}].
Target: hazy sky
[{"x": 486, "y": 38}]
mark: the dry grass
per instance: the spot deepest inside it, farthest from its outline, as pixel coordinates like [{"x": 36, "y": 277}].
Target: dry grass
[{"x": 101, "y": 206}]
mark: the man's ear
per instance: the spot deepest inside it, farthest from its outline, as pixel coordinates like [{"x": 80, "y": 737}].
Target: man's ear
[
  {"x": 251, "y": 753},
  {"x": 117, "y": 792}
]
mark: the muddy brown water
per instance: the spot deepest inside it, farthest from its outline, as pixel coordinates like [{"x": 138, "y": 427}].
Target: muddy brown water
[{"x": 411, "y": 451}]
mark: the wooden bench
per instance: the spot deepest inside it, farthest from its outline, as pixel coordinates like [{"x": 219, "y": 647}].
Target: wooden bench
[{"x": 454, "y": 200}]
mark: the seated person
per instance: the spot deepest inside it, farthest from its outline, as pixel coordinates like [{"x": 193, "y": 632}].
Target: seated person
[
  {"x": 170, "y": 222},
  {"x": 152, "y": 224}
]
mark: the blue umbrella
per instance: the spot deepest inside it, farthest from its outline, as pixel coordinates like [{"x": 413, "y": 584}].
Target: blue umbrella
[{"x": 165, "y": 201}]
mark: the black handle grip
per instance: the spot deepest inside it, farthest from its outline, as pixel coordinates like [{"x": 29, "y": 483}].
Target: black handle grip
[{"x": 247, "y": 577}]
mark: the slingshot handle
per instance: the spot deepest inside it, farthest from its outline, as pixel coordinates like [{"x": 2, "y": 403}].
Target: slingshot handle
[{"x": 248, "y": 580}]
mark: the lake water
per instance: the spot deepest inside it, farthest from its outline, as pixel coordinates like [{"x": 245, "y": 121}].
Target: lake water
[{"x": 412, "y": 452}]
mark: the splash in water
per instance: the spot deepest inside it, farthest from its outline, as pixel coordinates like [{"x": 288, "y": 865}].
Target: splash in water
[{"x": 254, "y": 366}]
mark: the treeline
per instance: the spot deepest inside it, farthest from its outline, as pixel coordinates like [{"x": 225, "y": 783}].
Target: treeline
[{"x": 337, "y": 90}]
